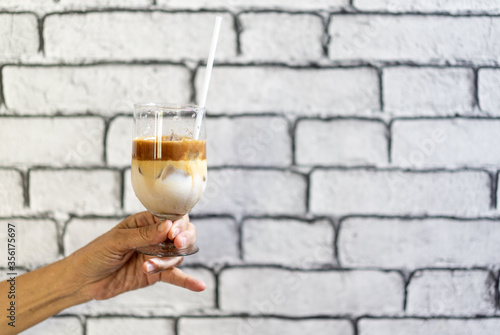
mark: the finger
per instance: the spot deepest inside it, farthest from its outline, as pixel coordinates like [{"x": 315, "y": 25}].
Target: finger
[
  {"x": 176, "y": 277},
  {"x": 128, "y": 239},
  {"x": 186, "y": 238},
  {"x": 137, "y": 220},
  {"x": 178, "y": 227},
  {"x": 155, "y": 265}
]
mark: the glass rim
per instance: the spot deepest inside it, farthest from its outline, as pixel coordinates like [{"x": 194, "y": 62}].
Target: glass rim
[{"x": 173, "y": 106}]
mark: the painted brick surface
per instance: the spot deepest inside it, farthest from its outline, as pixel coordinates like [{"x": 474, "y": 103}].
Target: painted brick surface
[{"x": 353, "y": 182}]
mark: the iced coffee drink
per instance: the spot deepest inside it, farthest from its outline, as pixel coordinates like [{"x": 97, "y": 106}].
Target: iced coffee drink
[
  {"x": 169, "y": 164},
  {"x": 169, "y": 175}
]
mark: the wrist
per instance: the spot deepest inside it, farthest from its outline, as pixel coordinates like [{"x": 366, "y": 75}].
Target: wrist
[{"x": 72, "y": 288}]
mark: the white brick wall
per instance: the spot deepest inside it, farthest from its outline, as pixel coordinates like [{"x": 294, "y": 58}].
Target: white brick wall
[
  {"x": 237, "y": 4},
  {"x": 119, "y": 141},
  {"x": 341, "y": 142},
  {"x": 414, "y": 38},
  {"x": 277, "y": 291},
  {"x": 143, "y": 36},
  {"x": 446, "y": 6},
  {"x": 448, "y": 142},
  {"x": 253, "y": 192},
  {"x": 11, "y": 192},
  {"x": 352, "y": 145},
  {"x": 18, "y": 36},
  {"x": 104, "y": 89},
  {"x": 299, "y": 91},
  {"x": 341, "y": 192},
  {"x": 429, "y": 326},
  {"x": 413, "y": 244},
  {"x": 57, "y": 326},
  {"x": 300, "y": 244},
  {"x": 218, "y": 240},
  {"x": 288, "y": 37},
  {"x": 79, "y": 232},
  {"x": 489, "y": 84},
  {"x": 35, "y": 240},
  {"x": 466, "y": 293},
  {"x": 428, "y": 91},
  {"x": 129, "y": 326},
  {"x": 75, "y": 191},
  {"x": 52, "y": 142},
  {"x": 249, "y": 141},
  {"x": 47, "y": 6},
  {"x": 266, "y": 326}
]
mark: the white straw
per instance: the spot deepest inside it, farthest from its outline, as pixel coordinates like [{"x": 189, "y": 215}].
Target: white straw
[
  {"x": 159, "y": 133},
  {"x": 208, "y": 73}
]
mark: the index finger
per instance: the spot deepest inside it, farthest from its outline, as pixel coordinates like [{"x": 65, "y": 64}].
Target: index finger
[
  {"x": 138, "y": 220},
  {"x": 176, "y": 277}
]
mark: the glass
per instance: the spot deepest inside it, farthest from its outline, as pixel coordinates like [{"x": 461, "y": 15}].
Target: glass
[{"x": 169, "y": 166}]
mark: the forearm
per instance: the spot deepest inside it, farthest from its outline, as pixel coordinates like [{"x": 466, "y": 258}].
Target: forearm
[{"x": 40, "y": 294}]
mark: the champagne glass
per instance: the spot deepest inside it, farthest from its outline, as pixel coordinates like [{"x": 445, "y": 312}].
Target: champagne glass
[{"x": 169, "y": 164}]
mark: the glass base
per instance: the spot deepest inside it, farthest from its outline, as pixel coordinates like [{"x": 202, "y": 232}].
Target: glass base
[{"x": 167, "y": 249}]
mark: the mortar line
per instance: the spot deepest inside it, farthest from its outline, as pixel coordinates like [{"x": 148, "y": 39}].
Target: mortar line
[
  {"x": 41, "y": 41},
  {"x": 493, "y": 189},
  {"x": 475, "y": 89},
  {"x": 107, "y": 124},
  {"x": 336, "y": 227},
  {"x": 238, "y": 29}
]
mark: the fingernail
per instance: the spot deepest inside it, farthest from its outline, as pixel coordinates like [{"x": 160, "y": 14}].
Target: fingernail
[
  {"x": 182, "y": 241},
  {"x": 162, "y": 226},
  {"x": 175, "y": 232},
  {"x": 150, "y": 266}
]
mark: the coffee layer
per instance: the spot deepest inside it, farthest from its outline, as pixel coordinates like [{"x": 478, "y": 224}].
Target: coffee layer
[{"x": 185, "y": 149}]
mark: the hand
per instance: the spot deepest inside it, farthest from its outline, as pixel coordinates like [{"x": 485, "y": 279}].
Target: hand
[{"x": 109, "y": 265}]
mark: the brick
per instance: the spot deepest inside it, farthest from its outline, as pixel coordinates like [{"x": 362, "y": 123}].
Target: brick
[
  {"x": 51, "y": 141},
  {"x": 129, "y": 326},
  {"x": 248, "y": 141},
  {"x": 341, "y": 142},
  {"x": 452, "y": 293},
  {"x": 414, "y": 38},
  {"x": 488, "y": 87},
  {"x": 119, "y": 141},
  {"x": 284, "y": 292},
  {"x": 243, "y": 191},
  {"x": 218, "y": 240},
  {"x": 131, "y": 203},
  {"x": 18, "y": 36},
  {"x": 281, "y": 37},
  {"x": 277, "y": 89},
  {"x": 413, "y": 244},
  {"x": 428, "y": 91},
  {"x": 426, "y": 6},
  {"x": 448, "y": 142},
  {"x": 251, "y": 4},
  {"x": 142, "y": 35},
  {"x": 36, "y": 242},
  {"x": 264, "y": 326},
  {"x": 160, "y": 299},
  {"x": 340, "y": 192},
  {"x": 48, "y": 6},
  {"x": 79, "y": 232},
  {"x": 104, "y": 89},
  {"x": 429, "y": 326},
  {"x": 78, "y": 192},
  {"x": 11, "y": 193},
  {"x": 57, "y": 326},
  {"x": 300, "y": 244}
]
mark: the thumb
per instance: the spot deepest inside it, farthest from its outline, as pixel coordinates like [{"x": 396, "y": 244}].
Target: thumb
[{"x": 128, "y": 239}]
